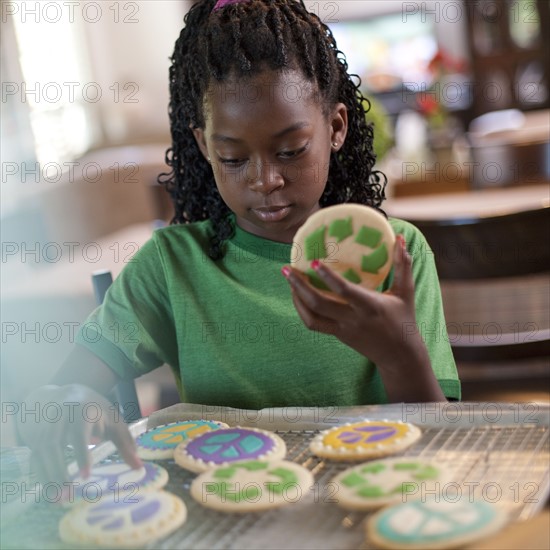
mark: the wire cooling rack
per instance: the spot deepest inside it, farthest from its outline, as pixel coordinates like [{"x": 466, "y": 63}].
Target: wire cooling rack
[{"x": 507, "y": 465}]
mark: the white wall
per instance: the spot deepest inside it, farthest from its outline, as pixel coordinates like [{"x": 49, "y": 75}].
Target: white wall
[{"x": 134, "y": 52}]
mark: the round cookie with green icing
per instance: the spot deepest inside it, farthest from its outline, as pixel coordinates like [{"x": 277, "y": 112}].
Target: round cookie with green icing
[
  {"x": 127, "y": 520},
  {"x": 252, "y": 486},
  {"x": 368, "y": 439},
  {"x": 354, "y": 240},
  {"x": 389, "y": 481},
  {"x": 434, "y": 523},
  {"x": 160, "y": 442},
  {"x": 228, "y": 445}
]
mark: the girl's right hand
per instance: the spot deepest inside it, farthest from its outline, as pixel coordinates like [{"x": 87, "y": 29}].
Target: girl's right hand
[{"x": 71, "y": 415}]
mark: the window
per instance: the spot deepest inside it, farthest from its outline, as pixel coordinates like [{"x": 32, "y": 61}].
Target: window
[{"x": 57, "y": 88}]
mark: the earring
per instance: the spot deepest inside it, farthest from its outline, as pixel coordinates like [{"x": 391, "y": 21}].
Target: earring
[{"x": 335, "y": 144}]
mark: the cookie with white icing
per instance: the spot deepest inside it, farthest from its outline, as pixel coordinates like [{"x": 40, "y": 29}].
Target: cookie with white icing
[
  {"x": 368, "y": 439},
  {"x": 388, "y": 481},
  {"x": 160, "y": 442},
  {"x": 116, "y": 477},
  {"x": 434, "y": 524},
  {"x": 229, "y": 445},
  {"x": 129, "y": 520},
  {"x": 354, "y": 240},
  {"x": 252, "y": 486}
]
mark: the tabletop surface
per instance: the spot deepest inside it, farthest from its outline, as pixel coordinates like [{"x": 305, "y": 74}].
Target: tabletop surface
[
  {"x": 487, "y": 444},
  {"x": 486, "y": 202}
]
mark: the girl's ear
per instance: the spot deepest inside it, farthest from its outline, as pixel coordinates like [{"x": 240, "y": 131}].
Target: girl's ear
[
  {"x": 201, "y": 142},
  {"x": 339, "y": 124}
]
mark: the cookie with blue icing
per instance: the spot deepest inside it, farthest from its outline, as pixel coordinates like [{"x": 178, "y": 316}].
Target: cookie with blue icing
[
  {"x": 160, "y": 442},
  {"x": 229, "y": 445},
  {"x": 434, "y": 523}
]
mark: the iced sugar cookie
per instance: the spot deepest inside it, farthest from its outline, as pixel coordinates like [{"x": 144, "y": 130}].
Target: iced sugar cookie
[
  {"x": 228, "y": 445},
  {"x": 130, "y": 520},
  {"x": 354, "y": 240},
  {"x": 364, "y": 440},
  {"x": 160, "y": 442},
  {"x": 388, "y": 481},
  {"x": 429, "y": 524},
  {"x": 117, "y": 477},
  {"x": 252, "y": 486}
]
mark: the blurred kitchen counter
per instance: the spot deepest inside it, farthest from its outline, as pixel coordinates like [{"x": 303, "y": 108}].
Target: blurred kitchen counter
[{"x": 469, "y": 203}]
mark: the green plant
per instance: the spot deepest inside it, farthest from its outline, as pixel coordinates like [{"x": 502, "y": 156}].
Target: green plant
[{"x": 383, "y": 133}]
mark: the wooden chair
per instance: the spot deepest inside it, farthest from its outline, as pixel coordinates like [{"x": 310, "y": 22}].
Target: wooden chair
[
  {"x": 496, "y": 292},
  {"x": 125, "y": 391}
]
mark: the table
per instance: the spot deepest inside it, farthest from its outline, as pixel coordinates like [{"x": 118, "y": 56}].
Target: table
[
  {"x": 490, "y": 444},
  {"x": 475, "y": 203}
]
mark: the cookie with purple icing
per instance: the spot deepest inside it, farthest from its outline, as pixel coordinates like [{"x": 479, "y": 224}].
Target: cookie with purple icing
[
  {"x": 364, "y": 440},
  {"x": 116, "y": 477},
  {"x": 160, "y": 442},
  {"x": 127, "y": 520},
  {"x": 229, "y": 445}
]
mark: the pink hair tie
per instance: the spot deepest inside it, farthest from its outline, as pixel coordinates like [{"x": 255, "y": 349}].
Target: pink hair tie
[{"x": 222, "y": 3}]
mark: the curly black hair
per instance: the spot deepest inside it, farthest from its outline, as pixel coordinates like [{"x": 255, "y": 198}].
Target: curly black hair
[{"x": 243, "y": 39}]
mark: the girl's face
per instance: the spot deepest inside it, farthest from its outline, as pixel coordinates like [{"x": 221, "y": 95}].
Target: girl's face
[{"x": 269, "y": 144}]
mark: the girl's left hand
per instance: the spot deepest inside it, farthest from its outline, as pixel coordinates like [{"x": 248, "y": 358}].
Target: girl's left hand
[{"x": 377, "y": 325}]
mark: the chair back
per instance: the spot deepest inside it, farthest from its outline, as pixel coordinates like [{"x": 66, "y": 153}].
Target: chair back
[
  {"x": 125, "y": 391},
  {"x": 507, "y": 245},
  {"x": 496, "y": 292}
]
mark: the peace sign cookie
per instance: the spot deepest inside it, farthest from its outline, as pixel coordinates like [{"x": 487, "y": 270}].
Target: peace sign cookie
[
  {"x": 434, "y": 523},
  {"x": 364, "y": 440},
  {"x": 160, "y": 442},
  {"x": 127, "y": 520},
  {"x": 354, "y": 240},
  {"x": 117, "y": 477},
  {"x": 252, "y": 486},
  {"x": 389, "y": 481},
  {"x": 228, "y": 445}
]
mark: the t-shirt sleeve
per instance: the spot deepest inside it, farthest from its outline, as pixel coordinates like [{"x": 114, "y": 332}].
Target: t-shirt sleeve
[
  {"x": 133, "y": 330},
  {"x": 430, "y": 317}
]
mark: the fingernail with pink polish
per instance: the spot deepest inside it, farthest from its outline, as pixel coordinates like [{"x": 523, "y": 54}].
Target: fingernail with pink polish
[
  {"x": 315, "y": 264},
  {"x": 285, "y": 271}
]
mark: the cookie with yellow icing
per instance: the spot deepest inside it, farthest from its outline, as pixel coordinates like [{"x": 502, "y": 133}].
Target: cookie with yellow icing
[
  {"x": 434, "y": 523},
  {"x": 379, "y": 483},
  {"x": 252, "y": 486},
  {"x": 364, "y": 440},
  {"x": 160, "y": 442},
  {"x": 354, "y": 240}
]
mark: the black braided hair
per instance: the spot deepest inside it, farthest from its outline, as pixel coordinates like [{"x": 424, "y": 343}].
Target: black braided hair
[{"x": 242, "y": 40}]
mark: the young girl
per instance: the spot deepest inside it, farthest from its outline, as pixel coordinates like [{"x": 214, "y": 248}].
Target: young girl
[{"x": 267, "y": 127}]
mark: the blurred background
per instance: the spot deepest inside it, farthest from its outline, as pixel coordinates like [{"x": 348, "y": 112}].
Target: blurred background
[{"x": 460, "y": 103}]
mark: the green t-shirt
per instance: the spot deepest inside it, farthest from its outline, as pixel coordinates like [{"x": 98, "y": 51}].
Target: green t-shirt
[{"x": 229, "y": 329}]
